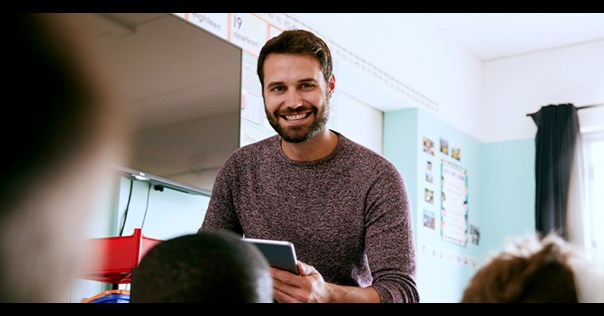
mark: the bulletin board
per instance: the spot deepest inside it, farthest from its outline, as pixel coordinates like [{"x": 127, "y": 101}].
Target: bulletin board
[{"x": 454, "y": 203}]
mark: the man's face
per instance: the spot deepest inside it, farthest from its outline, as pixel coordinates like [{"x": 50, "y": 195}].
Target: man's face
[{"x": 296, "y": 96}]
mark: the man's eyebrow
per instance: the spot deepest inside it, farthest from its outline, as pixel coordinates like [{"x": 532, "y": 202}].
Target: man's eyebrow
[
  {"x": 279, "y": 83},
  {"x": 274, "y": 83},
  {"x": 307, "y": 80}
]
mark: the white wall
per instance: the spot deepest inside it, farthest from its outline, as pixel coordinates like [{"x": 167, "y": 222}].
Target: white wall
[
  {"x": 431, "y": 64},
  {"x": 520, "y": 85},
  {"x": 359, "y": 121}
]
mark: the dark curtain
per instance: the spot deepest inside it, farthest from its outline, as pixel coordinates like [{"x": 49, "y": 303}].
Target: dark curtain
[{"x": 557, "y": 132}]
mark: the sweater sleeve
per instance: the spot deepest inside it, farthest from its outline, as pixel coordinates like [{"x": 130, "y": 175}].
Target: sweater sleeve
[
  {"x": 221, "y": 214},
  {"x": 389, "y": 239}
]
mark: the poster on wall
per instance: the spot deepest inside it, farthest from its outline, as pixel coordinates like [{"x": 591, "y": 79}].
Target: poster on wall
[
  {"x": 454, "y": 203},
  {"x": 428, "y": 146},
  {"x": 444, "y": 146},
  {"x": 475, "y": 234},
  {"x": 429, "y": 196},
  {"x": 429, "y": 219},
  {"x": 456, "y": 153},
  {"x": 215, "y": 23},
  {"x": 429, "y": 177}
]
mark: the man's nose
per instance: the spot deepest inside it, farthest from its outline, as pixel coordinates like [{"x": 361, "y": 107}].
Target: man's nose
[{"x": 294, "y": 100}]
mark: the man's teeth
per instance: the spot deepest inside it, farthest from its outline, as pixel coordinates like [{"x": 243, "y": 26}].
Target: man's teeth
[{"x": 295, "y": 117}]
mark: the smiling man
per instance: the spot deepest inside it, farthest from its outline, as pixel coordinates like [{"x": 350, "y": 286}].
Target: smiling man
[{"x": 344, "y": 207}]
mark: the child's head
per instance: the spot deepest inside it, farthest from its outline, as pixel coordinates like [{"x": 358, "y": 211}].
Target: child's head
[
  {"x": 531, "y": 270},
  {"x": 208, "y": 267},
  {"x": 65, "y": 129}
]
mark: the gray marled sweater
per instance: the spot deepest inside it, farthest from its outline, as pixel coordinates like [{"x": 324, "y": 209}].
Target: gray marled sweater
[{"x": 348, "y": 214}]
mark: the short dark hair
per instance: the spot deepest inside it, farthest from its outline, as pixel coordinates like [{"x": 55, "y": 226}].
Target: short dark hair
[
  {"x": 296, "y": 42},
  {"x": 207, "y": 267}
]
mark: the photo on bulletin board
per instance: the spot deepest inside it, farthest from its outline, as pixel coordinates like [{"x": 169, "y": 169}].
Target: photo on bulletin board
[
  {"x": 428, "y": 146},
  {"x": 444, "y": 146},
  {"x": 429, "y": 219},
  {"x": 456, "y": 153},
  {"x": 429, "y": 196},
  {"x": 428, "y": 165},
  {"x": 429, "y": 177},
  {"x": 475, "y": 234}
]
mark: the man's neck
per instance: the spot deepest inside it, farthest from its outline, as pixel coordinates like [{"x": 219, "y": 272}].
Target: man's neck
[{"x": 316, "y": 148}]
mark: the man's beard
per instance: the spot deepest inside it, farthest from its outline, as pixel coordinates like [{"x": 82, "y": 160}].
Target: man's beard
[{"x": 301, "y": 133}]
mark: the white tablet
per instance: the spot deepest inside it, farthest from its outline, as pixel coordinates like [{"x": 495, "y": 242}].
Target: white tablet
[{"x": 279, "y": 254}]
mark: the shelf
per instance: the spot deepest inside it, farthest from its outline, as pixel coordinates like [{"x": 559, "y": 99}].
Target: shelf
[{"x": 117, "y": 256}]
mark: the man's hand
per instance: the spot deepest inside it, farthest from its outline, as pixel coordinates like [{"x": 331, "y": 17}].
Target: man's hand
[{"x": 309, "y": 287}]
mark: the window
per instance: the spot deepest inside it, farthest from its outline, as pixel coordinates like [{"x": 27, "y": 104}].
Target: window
[{"x": 593, "y": 145}]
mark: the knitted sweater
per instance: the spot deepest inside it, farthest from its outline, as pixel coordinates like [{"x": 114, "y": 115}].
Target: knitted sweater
[{"x": 347, "y": 214}]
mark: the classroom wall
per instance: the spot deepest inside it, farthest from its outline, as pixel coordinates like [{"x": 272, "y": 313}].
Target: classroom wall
[
  {"x": 507, "y": 192},
  {"x": 359, "y": 121},
  {"x": 503, "y": 199},
  {"x": 500, "y": 197},
  {"x": 443, "y": 266}
]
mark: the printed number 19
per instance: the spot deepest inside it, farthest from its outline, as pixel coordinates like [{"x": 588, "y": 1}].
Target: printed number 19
[{"x": 237, "y": 21}]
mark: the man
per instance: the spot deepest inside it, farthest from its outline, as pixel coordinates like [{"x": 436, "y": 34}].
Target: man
[{"x": 343, "y": 206}]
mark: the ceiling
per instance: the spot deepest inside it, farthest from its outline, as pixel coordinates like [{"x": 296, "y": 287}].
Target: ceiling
[
  {"x": 169, "y": 70},
  {"x": 492, "y": 36},
  {"x": 488, "y": 36}
]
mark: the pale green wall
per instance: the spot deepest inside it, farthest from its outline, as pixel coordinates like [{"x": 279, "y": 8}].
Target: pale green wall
[
  {"x": 170, "y": 213},
  {"x": 400, "y": 147},
  {"x": 500, "y": 198},
  {"x": 508, "y": 190}
]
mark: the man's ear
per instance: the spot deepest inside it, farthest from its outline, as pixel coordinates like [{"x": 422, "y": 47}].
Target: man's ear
[{"x": 331, "y": 85}]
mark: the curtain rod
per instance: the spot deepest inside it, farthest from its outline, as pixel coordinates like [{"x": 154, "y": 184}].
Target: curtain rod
[{"x": 578, "y": 107}]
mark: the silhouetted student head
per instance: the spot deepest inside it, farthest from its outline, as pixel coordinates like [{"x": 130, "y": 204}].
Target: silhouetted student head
[
  {"x": 536, "y": 271},
  {"x": 208, "y": 267},
  {"x": 64, "y": 134}
]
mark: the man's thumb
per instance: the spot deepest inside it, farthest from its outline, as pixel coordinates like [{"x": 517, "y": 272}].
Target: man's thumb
[{"x": 304, "y": 268}]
